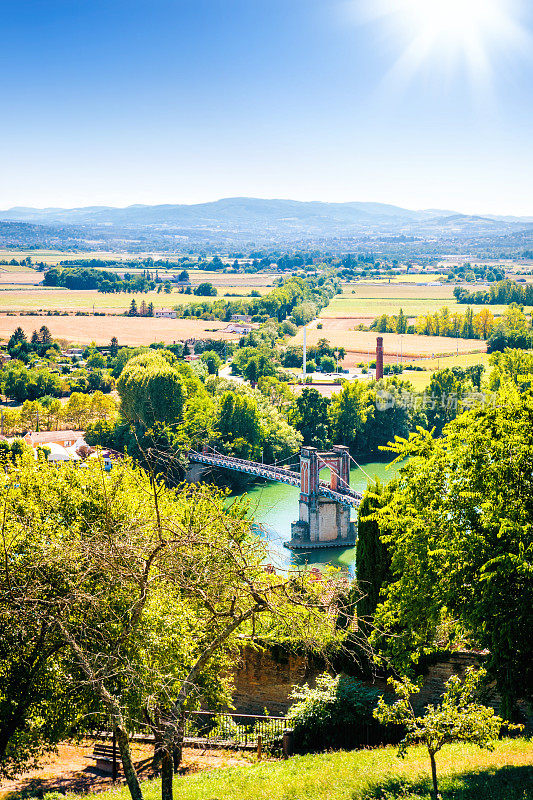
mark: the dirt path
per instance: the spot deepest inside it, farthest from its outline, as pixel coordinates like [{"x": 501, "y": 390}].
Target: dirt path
[{"x": 71, "y": 770}]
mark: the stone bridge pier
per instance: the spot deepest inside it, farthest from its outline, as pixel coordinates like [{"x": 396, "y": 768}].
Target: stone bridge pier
[{"x": 323, "y": 521}]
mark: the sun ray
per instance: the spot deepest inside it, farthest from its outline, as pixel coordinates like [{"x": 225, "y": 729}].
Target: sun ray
[{"x": 463, "y": 34}]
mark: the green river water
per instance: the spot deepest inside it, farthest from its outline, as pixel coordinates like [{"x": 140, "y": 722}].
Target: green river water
[{"x": 274, "y": 506}]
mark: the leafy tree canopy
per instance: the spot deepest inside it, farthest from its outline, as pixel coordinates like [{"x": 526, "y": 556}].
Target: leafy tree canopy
[{"x": 459, "y": 529}]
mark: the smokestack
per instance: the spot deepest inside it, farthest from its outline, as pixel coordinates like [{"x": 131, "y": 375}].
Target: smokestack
[{"x": 379, "y": 357}]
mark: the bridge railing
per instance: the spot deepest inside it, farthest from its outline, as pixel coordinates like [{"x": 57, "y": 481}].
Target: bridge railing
[{"x": 346, "y": 495}]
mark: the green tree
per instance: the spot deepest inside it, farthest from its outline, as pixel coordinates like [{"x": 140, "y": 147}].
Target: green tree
[
  {"x": 205, "y": 290},
  {"x": 96, "y": 360},
  {"x": 372, "y": 556},
  {"x": 133, "y": 309},
  {"x": 327, "y": 364},
  {"x": 149, "y": 590},
  {"x": 459, "y": 717},
  {"x": 151, "y": 390},
  {"x": 309, "y": 416},
  {"x": 513, "y": 330},
  {"x": 460, "y": 534},
  {"x": 348, "y": 412},
  {"x": 113, "y": 347},
  {"x": 212, "y": 361},
  {"x": 45, "y": 337},
  {"x": 512, "y": 366},
  {"x": 446, "y": 393},
  {"x": 239, "y": 424},
  {"x": 402, "y": 322}
]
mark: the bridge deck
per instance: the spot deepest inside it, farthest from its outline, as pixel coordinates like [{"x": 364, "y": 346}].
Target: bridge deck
[{"x": 348, "y": 496}]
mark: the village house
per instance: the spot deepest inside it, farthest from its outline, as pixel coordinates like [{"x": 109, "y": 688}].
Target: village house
[
  {"x": 241, "y": 318},
  {"x": 239, "y": 327},
  {"x": 166, "y": 313},
  {"x": 62, "y": 438}
]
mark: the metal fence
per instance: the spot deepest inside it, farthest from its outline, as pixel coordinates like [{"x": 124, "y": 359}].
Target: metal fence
[{"x": 243, "y": 731}]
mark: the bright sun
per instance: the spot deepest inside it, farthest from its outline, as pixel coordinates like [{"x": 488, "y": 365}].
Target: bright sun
[
  {"x": 456, "y": 23},
  {"x": 450, "y": 31}
]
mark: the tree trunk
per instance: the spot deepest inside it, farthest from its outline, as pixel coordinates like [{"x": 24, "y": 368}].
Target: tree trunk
[
  {"x": 434, "y": 776},
  {"x": 167, "y": 772},
  {"x": 132, "y": 779},
  {"x": 177, "y": 751},
  {"x": 112, "y": 706}
]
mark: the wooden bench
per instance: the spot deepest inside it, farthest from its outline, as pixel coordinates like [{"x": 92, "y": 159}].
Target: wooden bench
[{"x": 103, "y": 757}]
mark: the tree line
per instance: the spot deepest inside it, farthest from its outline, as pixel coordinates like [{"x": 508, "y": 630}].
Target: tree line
[{"x": 503, "y": 292}]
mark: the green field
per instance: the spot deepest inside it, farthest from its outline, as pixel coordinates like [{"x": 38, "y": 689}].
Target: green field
[
  {"x": 421, "y": 380},
  {"x": 466, "y": 773},
  {"x": 370, "y": 299},
  {"x": 346, "y": 305}
]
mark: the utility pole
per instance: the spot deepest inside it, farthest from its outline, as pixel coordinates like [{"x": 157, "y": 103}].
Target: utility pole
[{"x": 305, "y": 351}]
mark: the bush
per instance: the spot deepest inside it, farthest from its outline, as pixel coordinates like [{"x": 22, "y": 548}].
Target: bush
[
  {"x": 327, "y": 364},
  {"x": 289, "y": 327},
  {"x": 336, "y": 714}
]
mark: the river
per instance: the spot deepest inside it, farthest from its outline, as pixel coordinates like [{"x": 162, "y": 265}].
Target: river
[{"x": 274, "y": 506}]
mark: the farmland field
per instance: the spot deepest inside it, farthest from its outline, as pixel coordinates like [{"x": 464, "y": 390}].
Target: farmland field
[
  {"x": 128, "y": 330},
  {"x": 361, "y": 345},
  {"x": 18, "y": 276},
  {"x": 53, "y": 299},
  {"x": 369, "y": 300}
]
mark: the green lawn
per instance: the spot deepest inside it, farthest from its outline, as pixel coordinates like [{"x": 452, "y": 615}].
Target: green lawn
[
  {"x": 420, "y": 380},
  {"x": 466, "y": 773}
]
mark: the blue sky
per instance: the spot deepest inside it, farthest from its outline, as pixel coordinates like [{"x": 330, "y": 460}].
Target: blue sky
[{"x": 165, "y": 101}]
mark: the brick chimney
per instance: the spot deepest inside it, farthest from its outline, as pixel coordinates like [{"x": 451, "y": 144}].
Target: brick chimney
[{"x": 379, "y": 357}]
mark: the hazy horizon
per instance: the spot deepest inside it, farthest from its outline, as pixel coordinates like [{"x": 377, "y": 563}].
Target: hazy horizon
[{"x": 256, "y": 197}]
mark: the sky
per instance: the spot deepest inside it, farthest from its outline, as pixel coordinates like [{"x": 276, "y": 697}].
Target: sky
[{"x": 115, "y": 102}]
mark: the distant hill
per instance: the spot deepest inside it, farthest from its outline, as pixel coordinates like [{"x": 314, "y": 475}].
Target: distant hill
[
  {"x": 237, "y": 211},
  {"x": 237, "y": 221}
]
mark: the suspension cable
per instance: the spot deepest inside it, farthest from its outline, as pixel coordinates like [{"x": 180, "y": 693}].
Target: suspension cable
[
  {"x": 335, "y": 472},
  {"x": 360, "y": 467}
]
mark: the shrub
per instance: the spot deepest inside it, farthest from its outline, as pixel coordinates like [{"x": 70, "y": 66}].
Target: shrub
[
  {"x": 337, "y": 713},
  {"x": 289, "y": 327}
]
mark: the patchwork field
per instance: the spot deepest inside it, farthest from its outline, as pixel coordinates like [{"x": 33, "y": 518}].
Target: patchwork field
[
  {"x": 128, "y": 330},
  {"x": 44, "y": 299},
  {"x": 369, "y": 300},
  {"x": 361, "y": 345}
]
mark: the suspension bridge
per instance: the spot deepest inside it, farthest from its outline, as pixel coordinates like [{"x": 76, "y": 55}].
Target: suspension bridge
[{"x": 324, "y": 507}]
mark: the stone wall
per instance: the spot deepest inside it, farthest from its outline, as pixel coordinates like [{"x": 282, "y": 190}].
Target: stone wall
[{"x": 265, "y": 679}]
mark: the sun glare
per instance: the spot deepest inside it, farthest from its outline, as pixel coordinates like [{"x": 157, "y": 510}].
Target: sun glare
[
  {"x": 454, "y": 18},
  {"x": 449, "y": 32}
]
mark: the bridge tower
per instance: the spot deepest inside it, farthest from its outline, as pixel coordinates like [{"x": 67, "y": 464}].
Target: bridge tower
[{"x": 323, "y": 522}]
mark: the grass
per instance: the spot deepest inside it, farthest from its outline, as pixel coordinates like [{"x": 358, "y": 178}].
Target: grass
[
  {"x": 421, "y": 380},
  {"x": 465, "y": 772}
]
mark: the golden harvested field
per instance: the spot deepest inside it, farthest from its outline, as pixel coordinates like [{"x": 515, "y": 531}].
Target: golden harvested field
[
  {"x": 361, "y": 345},
  {"x": 20, "y": 277},
  {"x": 128, "y": 330},
  {"x": 42, "y": 298}
]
